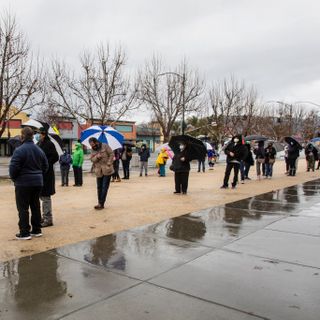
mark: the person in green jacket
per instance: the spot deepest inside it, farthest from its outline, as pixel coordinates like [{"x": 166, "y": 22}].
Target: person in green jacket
[{"x": 77, "y": 161}]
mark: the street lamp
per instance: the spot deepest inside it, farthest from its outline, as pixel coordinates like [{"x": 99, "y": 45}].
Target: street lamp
[{"x": 183, "y": 79}]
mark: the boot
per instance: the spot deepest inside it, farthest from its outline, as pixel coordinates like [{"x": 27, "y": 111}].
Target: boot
[{"x": 46, "y": 223}]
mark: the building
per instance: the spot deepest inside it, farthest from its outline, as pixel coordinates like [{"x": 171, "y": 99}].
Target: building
[
  {"x": 69, "y": 131},
  {"x": 150, "y": 135},
  {"x": 13, "y": 129}
]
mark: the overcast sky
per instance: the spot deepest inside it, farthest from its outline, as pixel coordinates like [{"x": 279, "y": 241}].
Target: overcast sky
[{"x": 272, "y": 44}]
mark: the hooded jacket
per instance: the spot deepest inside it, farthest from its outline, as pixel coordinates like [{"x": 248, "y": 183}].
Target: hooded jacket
[
  {"x": 144, "y": 153},
  {"x": 162, "y": 157},
  {"x": 77, "y": 156}
]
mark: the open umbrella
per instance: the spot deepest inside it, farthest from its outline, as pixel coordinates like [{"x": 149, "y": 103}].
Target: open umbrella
[
  {"x": 195, "y": 148},
  {"x": 104, "y": 134},
  {"x": 167, "y": 148},
  {"x": 255, "y": 137},
  {"x": 292, "y": 140},
  {"x": 36, "y": 124},
  {"x": 55, "y": 139},
  {"x": 317, "y": 139},
  {"x": 208, "y": 146}
]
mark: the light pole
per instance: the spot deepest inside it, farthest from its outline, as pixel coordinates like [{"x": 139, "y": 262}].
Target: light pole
[{"x": 183, "y": 79}]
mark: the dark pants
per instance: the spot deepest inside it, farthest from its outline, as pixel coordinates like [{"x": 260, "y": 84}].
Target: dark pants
[
  {"x": 77, "y": 176},
  {"x": 125, "y": 166},
  {"x": 287, "y": 164},
  {"x": 242, "y": 170},
  {"x": 28, "y": 197},
  {"x": 246, "y": 170},
  {"x": 181, "y": 181},
  {"x": 102, "y": 188},
  {"x": 64, "y": 175},
  {"x": 269, "y": 169},
  {"x": 292, "y": 167},
  {"x": 201, "y": 163},
  {"x": 115, "y": 175},
  {"x": 235, "y": 167}
]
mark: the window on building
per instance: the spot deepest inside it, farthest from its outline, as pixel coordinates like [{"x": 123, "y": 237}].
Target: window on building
[{"x": 124, "y": 128}]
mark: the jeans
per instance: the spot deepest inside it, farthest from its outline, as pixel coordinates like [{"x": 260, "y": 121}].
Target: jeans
[
  {"x": 28, "y": 197},
  {"x": 235, "y": 167},
  {"x": 46, "y": 208},
  {"x": 269, "y": 169},
  {"x": 102, "y": 188},
  {"x": 144, "y": 165},
  {"x": 242, "y": 170},
  {"x": 162, "y": 170},
  {"x": 77, "y": 176},
  {"x": 246, "y": 170},
  {"x": 64, "y": 176}
]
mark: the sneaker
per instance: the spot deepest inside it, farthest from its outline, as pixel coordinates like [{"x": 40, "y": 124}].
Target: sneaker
[
  {"x": 19, "y": 236},
  {"x": 242, "y": 181},
  {"x": 224, "y": 187},
  {"x": 99, "y": 207},
  {"x": 176, "y": 192},
  {"x": 46, "y": 224},
  {"x": 36, "y": 234}
]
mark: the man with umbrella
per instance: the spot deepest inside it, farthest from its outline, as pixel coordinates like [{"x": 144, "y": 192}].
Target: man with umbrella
[
  {"x": 48, "y": 189},
  {"x": 294, "y": 148},
  {"x": 186, "y": 149},
  {"x": 235, "y": 152}
]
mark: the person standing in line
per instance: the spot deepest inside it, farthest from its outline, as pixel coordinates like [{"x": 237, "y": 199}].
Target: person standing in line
[
  {"x": 48, "y": 189},
  {"x": 126, "y": 156},
  {"x": 201, "y": 163},
  {"x": 27, "y": 167},
  {"x": 161, "y": 162},
  {"x": 144, "y": 154},
  {"x": 248, "y": 161},
  {"x": 260, "y": 158},
  {"x": 270, "y": 158},
  {"x": 181, "y": 167},
  {"x": 286, "y": 148},
  {"x": 235, "y": 153},
  {"x": 293, "y": 155},
  {"x": 65, "y": 161},
  {"x": 116, "y": 162},
  {"x": 102, "y": 159},
  {"x": 77, "y": 162},
  {"x": 311, "y": 156}
]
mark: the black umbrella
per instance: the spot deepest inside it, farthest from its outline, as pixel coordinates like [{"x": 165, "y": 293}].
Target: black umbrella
[
  {"x": 15, "y": 142},
  {"x": 255, "y": 137},
  {"x": 291, "y": 140},
  {"x": 195, "y": 148}
]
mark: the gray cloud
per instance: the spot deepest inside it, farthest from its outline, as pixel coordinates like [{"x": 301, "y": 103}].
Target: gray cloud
[{"x": 271, "y": 44}]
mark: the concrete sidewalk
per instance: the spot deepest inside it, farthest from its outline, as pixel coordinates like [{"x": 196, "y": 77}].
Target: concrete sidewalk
[{"x": 256, "y": 258}]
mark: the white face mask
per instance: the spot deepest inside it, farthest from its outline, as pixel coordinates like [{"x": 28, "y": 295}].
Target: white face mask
[
  {"x": 236, "y": 140},
  {"x": 181, "y": 147},
  {"x": 37, "y": 136}
]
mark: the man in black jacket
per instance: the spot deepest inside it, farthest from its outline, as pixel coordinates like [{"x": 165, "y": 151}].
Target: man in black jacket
[
  {"x": 48, "y": 178},
  {"x": 235, "y": 152},
  {"x": 27, "y": 166},
  {"x": 144, "y": 154}
]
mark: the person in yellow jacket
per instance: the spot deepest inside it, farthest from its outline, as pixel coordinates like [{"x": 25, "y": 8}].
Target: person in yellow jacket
[{"x": 161, "y": 162}]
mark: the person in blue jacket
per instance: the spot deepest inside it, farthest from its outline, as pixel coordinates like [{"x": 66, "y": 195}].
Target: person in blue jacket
[{"x": 27, "y": 167}]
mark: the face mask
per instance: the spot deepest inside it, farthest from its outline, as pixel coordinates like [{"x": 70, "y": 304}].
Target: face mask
[
  {"x": 37, "y": 136},
  {"x": 181, "y": 147},
  {"x": 236, "y": 140}
]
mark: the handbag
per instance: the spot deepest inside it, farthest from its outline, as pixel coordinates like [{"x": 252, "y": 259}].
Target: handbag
[
  {"x": 261, "y": 160},
  {"x": 272, "y": 160},
  {"x": 171, "y": 167}
]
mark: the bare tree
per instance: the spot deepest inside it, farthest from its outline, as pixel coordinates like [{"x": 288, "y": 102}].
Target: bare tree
[
  {"x": 233, "y": 107},
  {"x": 170, "y": 94},
  {"x": 21, "y": 87},
  {"x": 99, "y": 91}
]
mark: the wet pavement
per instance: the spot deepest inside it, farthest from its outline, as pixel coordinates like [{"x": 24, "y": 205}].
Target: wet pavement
[{"x": 257, "y": 258}]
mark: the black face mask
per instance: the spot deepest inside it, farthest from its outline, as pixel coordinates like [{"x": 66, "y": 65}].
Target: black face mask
[{"x": 96, "y": 147}]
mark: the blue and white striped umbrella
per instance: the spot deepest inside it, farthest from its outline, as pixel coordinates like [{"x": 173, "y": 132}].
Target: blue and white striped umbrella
[{"x": 104, "y": 134}]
